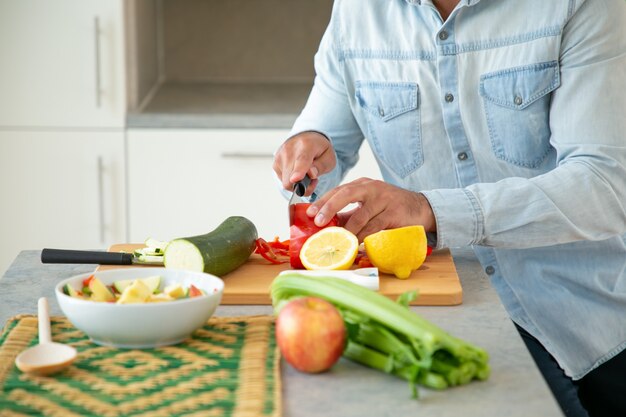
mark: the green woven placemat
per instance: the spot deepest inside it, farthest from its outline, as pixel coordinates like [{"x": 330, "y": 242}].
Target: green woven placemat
[{"x": 230, "y": 367}]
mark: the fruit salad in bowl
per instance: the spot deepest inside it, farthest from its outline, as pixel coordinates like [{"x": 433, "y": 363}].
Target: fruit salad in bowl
[{"x": 139, "y": 307}]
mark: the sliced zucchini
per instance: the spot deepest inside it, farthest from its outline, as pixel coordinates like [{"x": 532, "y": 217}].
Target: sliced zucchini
[
  {"x": 150, "y": 259},
  {"x": 156, "y": 245},
  {"x": 69, "y": 290}
]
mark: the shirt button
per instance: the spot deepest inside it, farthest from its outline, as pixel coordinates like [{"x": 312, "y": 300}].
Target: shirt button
[
  {"x": 443, "y": 35},
  {"x": 462, "y": 156},
  {"x": 381, "y": 112},
  {"x": 518, "y": 100},
  {"x": 449, "y": 98},
  {"x": 490, "y": 270}
]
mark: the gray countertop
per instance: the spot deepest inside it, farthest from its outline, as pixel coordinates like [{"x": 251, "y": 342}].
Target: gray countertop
[{"x": 515, "y": 387}]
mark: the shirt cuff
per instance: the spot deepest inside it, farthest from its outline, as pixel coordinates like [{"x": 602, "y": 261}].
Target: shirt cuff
[{"x": 458, "y": 215}]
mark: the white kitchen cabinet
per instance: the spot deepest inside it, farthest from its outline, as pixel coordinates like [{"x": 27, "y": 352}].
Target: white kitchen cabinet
[
  {"x": 62, "y": 63},
  {"x": 186, "y": 182},
  {"x": 61, "y": 189}
]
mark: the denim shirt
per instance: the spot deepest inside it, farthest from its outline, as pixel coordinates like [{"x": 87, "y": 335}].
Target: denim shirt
[{"x": 510, "y": 117}]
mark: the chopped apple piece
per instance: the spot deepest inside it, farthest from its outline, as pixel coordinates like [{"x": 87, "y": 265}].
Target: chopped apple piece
[
  {"x": 137, "y": 292},
  {"x": 99, "y": 291},
  {"x": 195, "y": 291},
  {"x": 155, "y": 298},
  {"x": 175, "y": 291}
]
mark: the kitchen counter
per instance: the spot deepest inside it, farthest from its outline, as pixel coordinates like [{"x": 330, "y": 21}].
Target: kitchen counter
[{"x": 515, "y": 387}]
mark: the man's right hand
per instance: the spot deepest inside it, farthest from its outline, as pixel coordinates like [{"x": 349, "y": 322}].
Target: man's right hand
[{"x": 305, "y": 153}]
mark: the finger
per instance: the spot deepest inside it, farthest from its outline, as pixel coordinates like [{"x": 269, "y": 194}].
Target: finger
[
  {"x": 311, "y": 188},
  {"x": 317, "y": 205},
  {"x": 281, "y": 172},
  {"x": 342, "y": 197},
  {"x": 361, "y": 220},
  {"x": 324, "y": 162},
  {"x": 344, "y": 216},
  {"x": 375, "y": 224}
]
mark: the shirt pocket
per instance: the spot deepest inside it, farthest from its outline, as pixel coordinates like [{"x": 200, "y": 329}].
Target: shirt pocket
[
  {"x": 391, "y": 110},
  {"x": 517, "y": 108}
]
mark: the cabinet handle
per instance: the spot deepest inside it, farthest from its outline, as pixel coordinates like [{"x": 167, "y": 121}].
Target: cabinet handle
[
  {"x": 101, "y": 198},
  {"x": 247, "y": 155},
  {"x": 96, "y": 32}
]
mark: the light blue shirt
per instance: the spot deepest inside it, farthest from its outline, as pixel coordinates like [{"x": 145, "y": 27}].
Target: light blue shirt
[{"x": 510, "y": 117}]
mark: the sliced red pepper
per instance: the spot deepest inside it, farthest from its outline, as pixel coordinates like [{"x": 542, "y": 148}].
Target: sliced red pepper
[
  {"x": 265, "y": 250},
  {"x": 277, "y": 244},
  {"x": 429, "y": 250},
  {"x": 302, "y": 228}
]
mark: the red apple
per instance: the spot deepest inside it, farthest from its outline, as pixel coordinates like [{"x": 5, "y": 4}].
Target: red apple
[{"x": 311, "y": 334}]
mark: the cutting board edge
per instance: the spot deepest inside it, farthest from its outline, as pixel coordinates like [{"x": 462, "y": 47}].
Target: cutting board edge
[{"x": 450, "y": 299}]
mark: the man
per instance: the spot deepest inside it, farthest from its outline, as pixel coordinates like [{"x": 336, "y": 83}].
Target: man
[{"x": 499, "y": 125}]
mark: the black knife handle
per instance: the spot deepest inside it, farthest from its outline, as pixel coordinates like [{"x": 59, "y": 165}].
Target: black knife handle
[
  {"x": 66, "y": 256},
  {"x": 300, "y": 187}
]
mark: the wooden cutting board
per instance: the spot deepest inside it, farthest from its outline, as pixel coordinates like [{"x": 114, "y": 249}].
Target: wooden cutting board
[{"x": 436, "y": 280}]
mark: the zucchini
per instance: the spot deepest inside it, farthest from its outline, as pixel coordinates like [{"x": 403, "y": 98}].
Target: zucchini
[{"x": 218, "y": 252}]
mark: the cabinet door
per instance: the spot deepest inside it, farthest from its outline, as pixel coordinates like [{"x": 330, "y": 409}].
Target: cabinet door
[
  {"x": 186, "y": 182},
  {"x": 61, "y": 189},
  {"x": 62, "y": 63}
]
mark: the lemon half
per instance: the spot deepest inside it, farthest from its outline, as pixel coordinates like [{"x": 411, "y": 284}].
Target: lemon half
[
  {"x": 397, "y": 251},
  {"x": 331, "y": 248}
]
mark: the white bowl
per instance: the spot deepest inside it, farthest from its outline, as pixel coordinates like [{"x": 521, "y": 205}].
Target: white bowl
[{"x": 141, "y": 326}]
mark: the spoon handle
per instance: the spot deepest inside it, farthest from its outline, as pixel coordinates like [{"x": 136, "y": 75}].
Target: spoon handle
[{"x": 44, "y": 321}]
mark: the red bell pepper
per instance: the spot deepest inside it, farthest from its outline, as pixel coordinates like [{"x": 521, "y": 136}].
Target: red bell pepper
[{"x": 301, "y": 229}]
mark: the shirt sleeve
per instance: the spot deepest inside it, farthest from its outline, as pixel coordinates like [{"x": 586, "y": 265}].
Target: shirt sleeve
[
  {"x": 328, "y": 109},
  {"x": 584, "y": 197}
]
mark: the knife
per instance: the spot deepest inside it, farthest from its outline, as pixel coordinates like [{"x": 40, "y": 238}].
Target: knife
[
  {"x": 67, "y": 256},
  {"x": 365, "y": 277},
  {"x": 299, "y": 189}
]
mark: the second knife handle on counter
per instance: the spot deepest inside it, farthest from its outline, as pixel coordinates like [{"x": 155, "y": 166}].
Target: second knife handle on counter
[{"x": 67, "y": 256}]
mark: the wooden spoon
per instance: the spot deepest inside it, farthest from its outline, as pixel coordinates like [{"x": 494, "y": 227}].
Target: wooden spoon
[{"x": 47, "y": 357}]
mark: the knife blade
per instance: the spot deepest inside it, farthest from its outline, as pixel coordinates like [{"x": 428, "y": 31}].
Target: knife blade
[
  {"x": 68, "y": 256},
  {"x": 299, "y": 189},
  {"x": 365, "y": 277}
]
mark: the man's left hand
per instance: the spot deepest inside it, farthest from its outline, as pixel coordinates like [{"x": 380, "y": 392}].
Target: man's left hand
[{"x": 380, "y": 206}]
